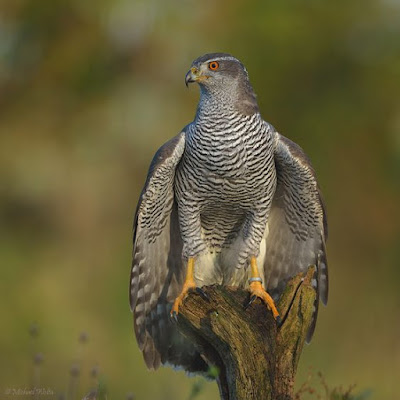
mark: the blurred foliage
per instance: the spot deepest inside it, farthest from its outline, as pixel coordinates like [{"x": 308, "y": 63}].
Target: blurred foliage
[
  {"x": 310, "y": 391},
  {"x": 90, "y": 90}
]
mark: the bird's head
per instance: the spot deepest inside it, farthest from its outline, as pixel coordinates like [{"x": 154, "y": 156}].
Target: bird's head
[{"x": 224, "y": 78}]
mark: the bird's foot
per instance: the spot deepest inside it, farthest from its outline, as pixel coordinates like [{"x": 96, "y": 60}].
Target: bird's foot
[
  {"x": 257, "y": 291},
  {"x": 188, "y": 287}
]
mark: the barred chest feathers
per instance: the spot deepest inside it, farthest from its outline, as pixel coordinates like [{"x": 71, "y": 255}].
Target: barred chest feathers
[
  {"x": 227, "y": 171},
  {"x": 229, "y": 154}
]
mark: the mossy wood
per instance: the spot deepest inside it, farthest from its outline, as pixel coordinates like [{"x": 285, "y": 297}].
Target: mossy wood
[{"x": 256, "y": 359}]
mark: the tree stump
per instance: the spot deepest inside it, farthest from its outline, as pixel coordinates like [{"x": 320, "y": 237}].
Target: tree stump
[{"x": 256, "y": 359}]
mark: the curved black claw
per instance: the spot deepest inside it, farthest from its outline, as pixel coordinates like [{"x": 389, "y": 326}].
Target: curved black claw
[
  {"x": 174, "y": 316},
  {"x": 203, "y": 294},
  {"x": 278, "y": 319},
  {"x": 251, "y": 301}
]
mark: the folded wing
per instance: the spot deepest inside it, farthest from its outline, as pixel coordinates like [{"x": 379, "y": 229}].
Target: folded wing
[
  {"x": 157, "y": 269},
  {"x": 297, "y": 225}
]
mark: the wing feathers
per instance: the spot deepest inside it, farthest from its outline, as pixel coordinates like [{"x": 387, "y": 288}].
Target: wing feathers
[
  {"x": 157, "y": 271},
  {"x": 157, "y": 274},
  {"x": 297, "y": 223}
]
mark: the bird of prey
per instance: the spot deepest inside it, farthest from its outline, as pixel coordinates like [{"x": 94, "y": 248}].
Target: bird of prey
[{"x": 227, "y": 201}]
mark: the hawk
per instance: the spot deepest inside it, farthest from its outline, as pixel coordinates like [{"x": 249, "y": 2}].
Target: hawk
[{"x": 227, "y": 201}]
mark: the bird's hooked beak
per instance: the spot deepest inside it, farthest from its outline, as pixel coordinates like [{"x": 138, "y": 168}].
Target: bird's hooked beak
[
  {"x": 194, "y": 75},
  {"x": 191, "y": 76}
]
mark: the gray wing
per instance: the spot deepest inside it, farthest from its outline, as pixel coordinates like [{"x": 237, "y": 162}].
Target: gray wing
[
  {"x": 157, "y": 270},
  {"x": 297, "y": 225}
]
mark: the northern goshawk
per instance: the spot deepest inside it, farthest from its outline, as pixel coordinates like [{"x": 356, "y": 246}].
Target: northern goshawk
[{"x": 228, "y": 201}]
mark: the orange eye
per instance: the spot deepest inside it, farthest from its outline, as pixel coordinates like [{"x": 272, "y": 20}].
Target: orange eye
[{"x": 213, "y": 65}]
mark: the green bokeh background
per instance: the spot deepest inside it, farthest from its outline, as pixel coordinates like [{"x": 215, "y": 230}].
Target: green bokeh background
[{"x": 89, "y": 91}]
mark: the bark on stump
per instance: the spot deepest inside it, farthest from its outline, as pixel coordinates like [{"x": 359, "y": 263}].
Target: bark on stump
[{"x": 256, "y": 359}]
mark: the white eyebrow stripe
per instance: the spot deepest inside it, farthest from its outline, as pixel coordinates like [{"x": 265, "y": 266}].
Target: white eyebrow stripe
[
  {"x": 229, "y": 59},
  {"x": 223, "y": 58}
]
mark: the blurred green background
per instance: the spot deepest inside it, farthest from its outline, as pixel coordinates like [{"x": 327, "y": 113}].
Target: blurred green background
[{"x": 88, "y": 92}]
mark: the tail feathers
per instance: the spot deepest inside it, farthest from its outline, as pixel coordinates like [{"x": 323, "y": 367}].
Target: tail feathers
[
  {"x": 320, "y": 284},
  {"x": 161, "y": 343},
  {"x": 313, "y": 323},
  {"x": 180, "y": 353},
  {"x": 323, "y": 279}
]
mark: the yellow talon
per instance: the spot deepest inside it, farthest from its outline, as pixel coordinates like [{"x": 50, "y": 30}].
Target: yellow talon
[
  {"x": 257, "y": 289},
  {"x": 188, "y": 285}
]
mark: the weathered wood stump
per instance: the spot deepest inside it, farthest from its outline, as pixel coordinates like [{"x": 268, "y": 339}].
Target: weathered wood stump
[{"x": 256, "y": 359}]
